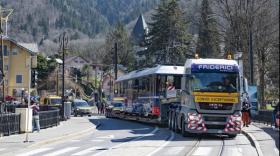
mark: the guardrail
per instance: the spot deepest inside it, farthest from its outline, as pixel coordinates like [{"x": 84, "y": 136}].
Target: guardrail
[
  {"x": 264, "y": 116},
  {"x": 9, "y": 124},
  {"x": 49, "y": 118}
]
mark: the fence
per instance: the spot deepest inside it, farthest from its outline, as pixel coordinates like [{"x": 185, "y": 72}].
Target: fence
[
  {"x": 49, "y": 118},
  {"x": 9, "y": 124},
  {"x": 264, "y": 116}
]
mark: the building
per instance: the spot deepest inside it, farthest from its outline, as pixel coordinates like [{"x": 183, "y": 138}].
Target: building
[
  {"x": 77, "y": 62},
  {"x": 138, "y": 36},
  {"x": 19, "y": 60}
]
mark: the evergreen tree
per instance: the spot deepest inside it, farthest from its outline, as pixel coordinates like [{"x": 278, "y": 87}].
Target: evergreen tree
[
  {"x": 208, "y": 39},
  {"x": 168, "y": 39},
  {"x": 125, "y": 55}
]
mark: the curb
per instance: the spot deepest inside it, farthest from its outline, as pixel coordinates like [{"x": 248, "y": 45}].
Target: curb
[
  {"x": 66, "y": 136},
  {"x": 254, "y": 142}
]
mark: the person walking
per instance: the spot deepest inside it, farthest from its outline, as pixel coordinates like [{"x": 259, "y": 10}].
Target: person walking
[
  {"x": 35, "y": 112},
  {"x": 274, "y": 115},
  {"x": 245, "y": 113}
]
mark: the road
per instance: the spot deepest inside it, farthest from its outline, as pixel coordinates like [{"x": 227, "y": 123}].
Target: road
[{"x": 125, "y": 138}]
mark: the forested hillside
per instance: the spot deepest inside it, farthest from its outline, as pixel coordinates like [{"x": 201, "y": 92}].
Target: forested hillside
[{"x": 41, "y": 19}]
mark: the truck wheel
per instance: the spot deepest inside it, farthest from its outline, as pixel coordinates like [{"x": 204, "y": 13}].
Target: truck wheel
[
  {"x": 176, "y": 127},
  {"x": 183, "y": 129},
  {"x": 169, "y": 120},
  {"x": 232, "y": 136}
]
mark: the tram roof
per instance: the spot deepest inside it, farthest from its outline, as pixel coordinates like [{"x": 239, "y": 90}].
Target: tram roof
[
  {"x": 189, "y": 62},
  {"x": 159, "y": 70}
]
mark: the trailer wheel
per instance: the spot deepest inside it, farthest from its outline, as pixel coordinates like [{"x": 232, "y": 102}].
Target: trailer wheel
[
  {"x": 183, "y": 129},
  {"x": 170, "y": 120}
]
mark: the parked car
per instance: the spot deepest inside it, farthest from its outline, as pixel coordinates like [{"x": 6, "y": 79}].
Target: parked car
[
  {"x": 81, "y": 107},
  {"x": 118, "y": 106}
]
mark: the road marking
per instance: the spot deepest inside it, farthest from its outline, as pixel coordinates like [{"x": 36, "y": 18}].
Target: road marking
[
  {"x": 162, "y": 146},
  {"x": 106, "y": 137},
  {"x": 87, "y": 151},
  {"x": 40, "y": 150},
  {"x": 75, "y": 140},
  {"x": 2, "y": 149},
  {"x": 135, "y": 139},
  {"x": 276, "y": 151},
  {"x": 174, "y": 150},
  {"x": 65, "y": 150},
  {"x": 202, "y": 151},
  {"x": 97, "y": 140}
]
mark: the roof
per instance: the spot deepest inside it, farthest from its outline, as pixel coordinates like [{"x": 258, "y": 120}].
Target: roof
[
  {"x": 79, "y": 100},
  {"x": 189, "y": 62},
  {"x": 159, "y": 70},
  {"x": 30, "y": 47},
  {"x": 70, "y": 58},
  {"x": 140, "y": 29}
]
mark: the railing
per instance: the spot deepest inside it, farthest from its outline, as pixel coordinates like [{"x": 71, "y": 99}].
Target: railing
[
  {"x": 9, "y": 124},
  {"x": 264, "y": 116},
  {"x": 49, "y": 118}
]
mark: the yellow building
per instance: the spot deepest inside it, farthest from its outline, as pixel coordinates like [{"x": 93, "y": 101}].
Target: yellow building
[{"x": 19, "y": 60}]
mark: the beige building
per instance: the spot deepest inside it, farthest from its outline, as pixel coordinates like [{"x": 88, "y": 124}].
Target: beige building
[{"x": 19, "y": 60}]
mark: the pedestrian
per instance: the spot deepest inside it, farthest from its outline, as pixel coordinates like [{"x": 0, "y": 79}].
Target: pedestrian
[
  {"x": 245, "y": 113},
  {"x": 275, "y": 112},
  {"x": 102, "y": 107},
  {"x": 35, "y": 112}
]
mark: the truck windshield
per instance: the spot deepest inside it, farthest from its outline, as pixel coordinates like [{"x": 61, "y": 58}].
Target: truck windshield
[{"x": 215, "y": 82}]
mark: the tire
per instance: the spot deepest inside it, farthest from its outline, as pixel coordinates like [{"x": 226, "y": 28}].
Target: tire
[
  {"x": 176, "y": 128},
  {"x": 232, "y": 136},
  {"x": 183, "y": 131},
  {"x": 170, "y": 120}
]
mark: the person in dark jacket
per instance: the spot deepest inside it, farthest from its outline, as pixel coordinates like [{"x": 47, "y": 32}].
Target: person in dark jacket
[
  {"x": 245, "y": 112},
  {"x": 275, "y": 113}
]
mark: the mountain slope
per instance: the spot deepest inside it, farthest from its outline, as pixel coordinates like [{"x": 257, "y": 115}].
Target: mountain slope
[{"x": 41, "y": 19}]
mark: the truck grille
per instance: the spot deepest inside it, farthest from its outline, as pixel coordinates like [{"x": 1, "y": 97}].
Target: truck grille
[
  {"x": 215, "y": 106},
  {"x": 215, "y": 119},
  {"x": 215, "y": 126}
]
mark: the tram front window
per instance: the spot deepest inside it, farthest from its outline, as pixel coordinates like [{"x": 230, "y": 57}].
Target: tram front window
[{"x": 215, "y": 82}]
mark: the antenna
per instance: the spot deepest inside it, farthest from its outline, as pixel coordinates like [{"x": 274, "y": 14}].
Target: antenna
[{"x": 5, "y": 13}]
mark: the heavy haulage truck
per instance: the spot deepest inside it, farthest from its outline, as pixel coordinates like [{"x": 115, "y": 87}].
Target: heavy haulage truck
[{"x": 204, "y": 96}]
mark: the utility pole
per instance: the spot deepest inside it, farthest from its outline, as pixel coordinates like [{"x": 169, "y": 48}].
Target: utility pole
[
  {"x": 251, "y": 57},
  {"x": 116, "y": 61},
  {"x": 63, "y": 44},
  {"x": 2, "y": 58}
]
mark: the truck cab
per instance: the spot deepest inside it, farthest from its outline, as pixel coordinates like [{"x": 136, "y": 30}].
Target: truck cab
[{"x": 210, "y": 98}]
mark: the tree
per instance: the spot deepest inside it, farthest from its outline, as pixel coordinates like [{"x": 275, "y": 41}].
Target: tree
[
  {"x": 125, "y": 55},
  {"x": 258, "y": 20},
  {"x": 208, "y": 37},
  {"x": 168, "y": 39},
  {"x": 86, "y": 68},
  {"x": 42, "y": 66}
]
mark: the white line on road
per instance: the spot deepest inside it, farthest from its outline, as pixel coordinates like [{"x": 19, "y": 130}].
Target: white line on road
[
  {"x": 2, "y": 149},
  {"x": 106, "y": 137},
  {"x": 276, "y": 151},
  {"x": 40, "y": 150},
  {"x": 97, "y": 140},
  {"x": 162, "y": 146},
  {"x": 87, "y": 151},
  {"x": 202, "y": 151},
  {"x": 65, "y": 150},
  {"x": 135, "y": 139}
]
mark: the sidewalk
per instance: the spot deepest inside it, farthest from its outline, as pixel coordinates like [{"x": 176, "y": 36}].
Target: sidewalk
[
  {"x": 74, "y": 127},
  {"x": 265, "y": 138}
]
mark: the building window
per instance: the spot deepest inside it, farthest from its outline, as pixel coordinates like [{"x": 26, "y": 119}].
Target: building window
[
  {"x": 15, "y": 51},
  {"x": 18, "y": 78},
  {"x": 5, "y": 50}
]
